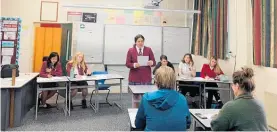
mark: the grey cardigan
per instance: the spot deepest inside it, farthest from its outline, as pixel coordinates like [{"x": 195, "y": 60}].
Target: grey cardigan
[{"x": 242, "y": 114}]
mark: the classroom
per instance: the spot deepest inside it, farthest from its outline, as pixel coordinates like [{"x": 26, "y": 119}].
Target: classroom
[{"x": 138, "y": 65}]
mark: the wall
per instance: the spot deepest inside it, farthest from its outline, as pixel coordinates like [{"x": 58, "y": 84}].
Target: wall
[{"x": 240, "y": 39}]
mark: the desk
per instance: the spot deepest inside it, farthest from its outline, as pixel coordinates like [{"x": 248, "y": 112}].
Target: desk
[
  {"x": 138, "y": 91},
  {"x": 203, "y": 82},
  {"x": 96, "y": 78},
  {"x": 132, "y": 115},
  {"x": 205, "y": 123},
  {"x": 41, "y": 80},
  {"x": 22, "y": 94}
]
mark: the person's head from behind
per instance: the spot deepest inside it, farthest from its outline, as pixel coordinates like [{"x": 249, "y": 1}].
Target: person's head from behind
[
  {"x": 53, "y": 59},
  {"x": 214, "y": 63},
  {"x": 243, "y": 82},
  {"x": 163, "y": 59},
  {"x": 187, "y": 59},
  {"x": 165, "y": 78},
  {"x": 139, "y": 40}
]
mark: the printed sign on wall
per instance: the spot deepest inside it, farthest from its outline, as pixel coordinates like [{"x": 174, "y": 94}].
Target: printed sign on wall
[{"x": 90, "y": 17}]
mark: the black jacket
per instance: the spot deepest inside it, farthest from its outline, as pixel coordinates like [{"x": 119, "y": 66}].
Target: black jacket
[{"x": 159, "y": 65}]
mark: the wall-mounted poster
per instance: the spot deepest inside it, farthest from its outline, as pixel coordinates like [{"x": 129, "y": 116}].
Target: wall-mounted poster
[
  {"x": 9, "y": 35},
  {"x": 90, "y": 17}
]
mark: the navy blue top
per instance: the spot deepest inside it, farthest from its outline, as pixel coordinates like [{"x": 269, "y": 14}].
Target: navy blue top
[{"x": 163, "y": 110}]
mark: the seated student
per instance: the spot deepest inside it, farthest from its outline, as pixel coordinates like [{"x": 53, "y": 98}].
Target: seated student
[
  {"x": 163, "y": 62},
  {"x": 187, "y": 70},
  {"x": 244, "y": 113},
  {"x": 212, "y": 71},
  {"x": 165, "y": 109},
  {"x": 80, "y": 69},
  {"x": 51, "y": 67}
]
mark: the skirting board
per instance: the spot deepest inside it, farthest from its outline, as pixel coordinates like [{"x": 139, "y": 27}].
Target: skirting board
[{"x": 271, "y": 108}]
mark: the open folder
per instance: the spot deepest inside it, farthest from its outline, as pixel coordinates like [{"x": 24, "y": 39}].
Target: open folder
[{"x": 142, "y": 60}]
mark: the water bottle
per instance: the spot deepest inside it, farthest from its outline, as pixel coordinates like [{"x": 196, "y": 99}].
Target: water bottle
[{"x": 72, "y": 73}]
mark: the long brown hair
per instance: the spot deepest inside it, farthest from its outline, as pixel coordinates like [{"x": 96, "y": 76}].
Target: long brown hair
[
  {"x": 190, "y": 57},
  {"x": 217, "y": 68}
]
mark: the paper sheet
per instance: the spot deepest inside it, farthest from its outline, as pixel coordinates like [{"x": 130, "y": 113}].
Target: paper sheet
[
  {"x": 7, "y": 51},
  {"x": 142, "y": 60},
  {"x": 9, "y": 35},
  {"x": 6, "y": 60}
]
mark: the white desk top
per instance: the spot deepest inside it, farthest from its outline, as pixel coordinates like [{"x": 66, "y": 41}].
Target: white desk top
[
  {"x": 200, "y": 79},
  {"x": 132, "y": 115},
  {"x": 20, "y": 81},
  {"x": 52, "y": 79},
  {"x": 141, "y": 89},
  {"x": 206, "y": 112},
  {"x": 97, "y": 77}
]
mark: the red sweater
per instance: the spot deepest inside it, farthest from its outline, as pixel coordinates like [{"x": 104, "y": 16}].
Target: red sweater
[
  {"x": 207, "y": 71},
  {"x": 56, "y": 71},
  {"x": 80, "y": 70},
  {"x": 143, "y": 73}
]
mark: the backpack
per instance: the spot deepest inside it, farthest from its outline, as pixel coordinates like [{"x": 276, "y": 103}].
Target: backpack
[{"x": 6, "y": 70}]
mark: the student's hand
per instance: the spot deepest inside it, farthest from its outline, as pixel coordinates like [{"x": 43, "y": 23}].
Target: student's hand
[
  {"x": 88, "y": 72},
  {"x": 49, "y": 76},
  {"x": 207, "y": 77},
  {"x": 137, "y": 65},
  {"x": 150, "y": 63},
  {"x": 48, "y": 70}
]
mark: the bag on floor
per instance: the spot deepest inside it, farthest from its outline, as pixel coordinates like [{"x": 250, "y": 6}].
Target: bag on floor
[{"x": 6, "y": 70}]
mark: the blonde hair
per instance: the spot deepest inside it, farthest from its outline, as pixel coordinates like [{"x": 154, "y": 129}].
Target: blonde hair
[
  {"x": 74, "y": 61},
  {"x": 217, "y": 68},
  {"x": 165, "y": 78}
]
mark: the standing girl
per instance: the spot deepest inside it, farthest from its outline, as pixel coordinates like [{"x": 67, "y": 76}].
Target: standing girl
[{"x": 140, "y": 75}]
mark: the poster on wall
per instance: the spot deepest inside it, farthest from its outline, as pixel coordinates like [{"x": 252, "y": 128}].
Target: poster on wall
[
  {"x": 90, "y": 17},
  {"x": 10, "y": 39},
  {"x": 9, "y": 25},
  {"x": 9, "y": 36},
  {"x": 74, "y": 16}
]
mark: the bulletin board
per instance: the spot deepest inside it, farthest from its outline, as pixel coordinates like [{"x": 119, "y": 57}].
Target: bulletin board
[{"x": 10, "y": 40}]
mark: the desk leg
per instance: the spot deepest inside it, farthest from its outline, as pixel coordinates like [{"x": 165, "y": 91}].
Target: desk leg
[
  {"x": 200, "y": 95},
  {"x": 66, "y": 98},
  {"x": 204, "y": 96},
  {"x": 97, "y": 98},
  {"x": 11, "y": 107},
  {"x": 36, "y": 116},
  {"x": 69, "y": 98}
]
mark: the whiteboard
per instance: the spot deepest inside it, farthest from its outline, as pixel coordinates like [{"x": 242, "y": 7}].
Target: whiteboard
[
  {"x": 90, "y": 41},
  {"x": 176, "y": 43},
  {"x": 119, "y": 38}
]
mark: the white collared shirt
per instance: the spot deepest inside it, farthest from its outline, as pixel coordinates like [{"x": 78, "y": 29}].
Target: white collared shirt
[
  {"x": 185, "y": 70},
  {"x": 138, "y": 52},
  {"x": 140, "y": 48}
]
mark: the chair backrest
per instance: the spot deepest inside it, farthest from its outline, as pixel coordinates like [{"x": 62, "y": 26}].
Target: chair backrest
[
  {"x": 44, "y": 58},
  {"x": 198, "y": 74},
  {"x": 100, "y": 73}
]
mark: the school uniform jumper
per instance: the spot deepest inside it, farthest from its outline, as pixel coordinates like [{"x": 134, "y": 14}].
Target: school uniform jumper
[
  {"x": 55, "y": 71},
  {"x": 142, "y": 74}
]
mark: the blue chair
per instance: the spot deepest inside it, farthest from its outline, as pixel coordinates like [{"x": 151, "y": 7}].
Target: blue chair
[{"x": 101, "y": 86}]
